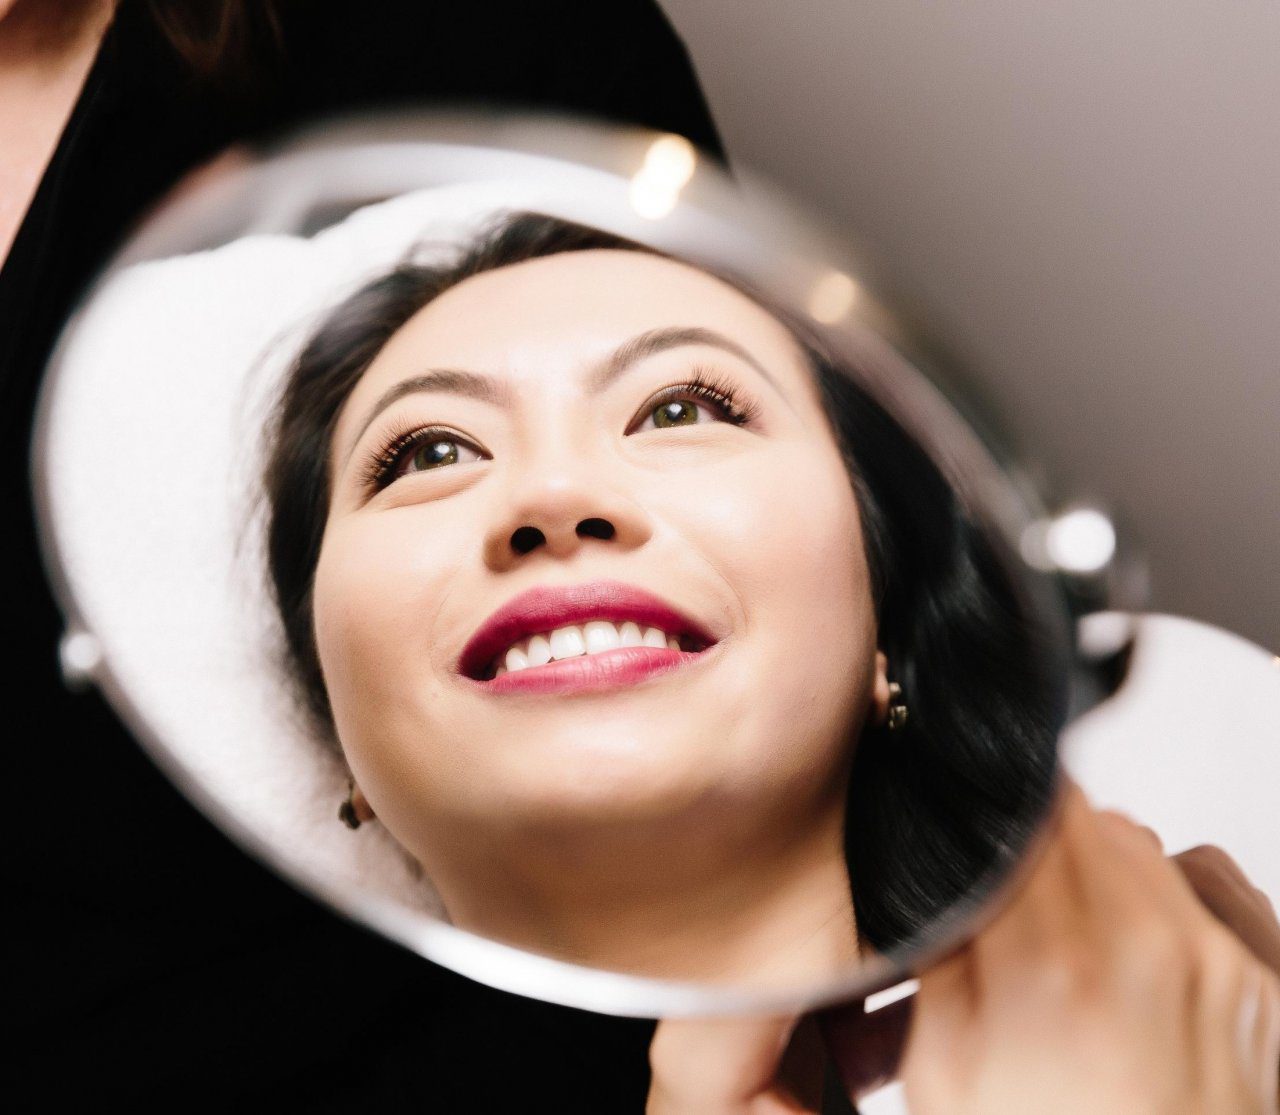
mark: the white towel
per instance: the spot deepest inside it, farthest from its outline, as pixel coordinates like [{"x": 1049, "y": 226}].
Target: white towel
[{"x": 153, "y": 453}]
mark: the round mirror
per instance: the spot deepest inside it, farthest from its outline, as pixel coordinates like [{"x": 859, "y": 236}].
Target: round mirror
[{"x": 550, "y": 552}]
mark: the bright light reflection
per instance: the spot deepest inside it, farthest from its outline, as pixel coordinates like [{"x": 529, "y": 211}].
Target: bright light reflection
[
  {"x": 671, "y": 160},
  {"x": 651, "y": 199},
  {"x": 668, "y": 165},
  {"x": 1082, "y": 541},
  {"x": 832, "y": 297}
]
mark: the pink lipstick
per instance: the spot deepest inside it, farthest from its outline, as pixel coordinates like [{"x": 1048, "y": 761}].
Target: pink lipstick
[{"x": 543, "y": 609}]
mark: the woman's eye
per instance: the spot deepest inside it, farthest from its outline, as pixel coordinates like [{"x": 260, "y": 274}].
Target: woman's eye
[
  {"x": 434, "y": 453},
  {"x": 679, "y": 405},
  {"x": 681, "y": 412},
  {"x": 419, "y": 451},
  {"x": 434, "y": 448}
]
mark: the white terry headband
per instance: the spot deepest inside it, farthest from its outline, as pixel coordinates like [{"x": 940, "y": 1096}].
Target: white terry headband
[{"x": 154, "y": 435}]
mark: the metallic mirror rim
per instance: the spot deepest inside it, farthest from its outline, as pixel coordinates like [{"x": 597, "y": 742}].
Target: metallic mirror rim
[{"x": 742, "y": 222}]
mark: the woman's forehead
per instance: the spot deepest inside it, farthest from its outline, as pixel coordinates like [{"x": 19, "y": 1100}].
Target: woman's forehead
[{"x": 544, "y": 321}]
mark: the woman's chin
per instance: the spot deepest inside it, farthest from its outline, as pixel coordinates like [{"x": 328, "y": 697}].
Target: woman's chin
[{"x": 617, "y": 798}]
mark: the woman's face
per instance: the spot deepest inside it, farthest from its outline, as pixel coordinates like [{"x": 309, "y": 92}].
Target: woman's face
[{"x": 572, "y": 467}]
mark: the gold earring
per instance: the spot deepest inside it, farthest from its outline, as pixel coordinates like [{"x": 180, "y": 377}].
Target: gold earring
[
  {"x": 897, "y": 709},
  {"x": 347, "y": 810}
]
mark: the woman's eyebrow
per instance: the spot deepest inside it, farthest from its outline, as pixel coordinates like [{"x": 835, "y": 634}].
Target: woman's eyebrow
[
  {"x": 631, "y": 352},
  {"x": 498, "y": 392}
]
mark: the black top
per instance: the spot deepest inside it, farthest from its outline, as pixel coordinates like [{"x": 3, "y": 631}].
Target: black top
[{"x": 154, "y": 959}]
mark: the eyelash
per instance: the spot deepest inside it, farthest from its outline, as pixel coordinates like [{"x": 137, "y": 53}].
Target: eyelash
[{"x": 380, "y": 472}]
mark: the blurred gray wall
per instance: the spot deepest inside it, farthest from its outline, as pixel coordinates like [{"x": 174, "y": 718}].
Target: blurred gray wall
[{"x": 1083, "y": 202}]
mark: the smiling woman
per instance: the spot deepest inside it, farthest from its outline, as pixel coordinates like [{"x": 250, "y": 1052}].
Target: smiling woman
[{"x": 652, "y": 638}]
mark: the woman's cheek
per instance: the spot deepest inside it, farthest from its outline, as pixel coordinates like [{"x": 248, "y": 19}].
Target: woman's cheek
[
  {"x": 371, "y": 605},
  {"x": 783, "y": 530},
  {"x": 792, "y": 533}
]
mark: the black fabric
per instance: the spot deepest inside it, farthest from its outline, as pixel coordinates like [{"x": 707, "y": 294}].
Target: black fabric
[{"x": 152, "y": 959}]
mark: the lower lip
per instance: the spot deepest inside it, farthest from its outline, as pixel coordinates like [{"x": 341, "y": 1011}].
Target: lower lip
[{"x": 586, "y": 673}]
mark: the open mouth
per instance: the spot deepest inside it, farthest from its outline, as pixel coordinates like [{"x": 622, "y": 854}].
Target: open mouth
[
  {"x": 596, "y": 637},
  {"x": 546, "y": 625}
]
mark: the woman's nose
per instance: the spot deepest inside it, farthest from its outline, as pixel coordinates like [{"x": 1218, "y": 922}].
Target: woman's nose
[{"x": 559, "y": 510}]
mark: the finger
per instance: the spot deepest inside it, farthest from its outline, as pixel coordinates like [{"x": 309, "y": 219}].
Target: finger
[
  {"x": 947, "y": 1002},
  {"x": 696, "y": 1059},
  {"x": 1130, "y": 876},
  {"x": 1144, "y": 830},
  {"x": 1093, "y": 905},
  {"x": 1043, "y": 917},
  {"x": 1260, "y": 1034},
  {"x": 708, "y": 1064},
  {"x": 1226, "y": 891},
  {"x": 946, "y": 1037},
  {"x": 1206, "y": 861},
  {"x": 1144, "y": 916}
]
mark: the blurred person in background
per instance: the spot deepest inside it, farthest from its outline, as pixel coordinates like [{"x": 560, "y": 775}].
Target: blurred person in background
[{"x": 155, "y": 959}]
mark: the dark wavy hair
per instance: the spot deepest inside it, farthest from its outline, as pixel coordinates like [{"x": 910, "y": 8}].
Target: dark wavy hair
[{"x": 935, "y": 808}]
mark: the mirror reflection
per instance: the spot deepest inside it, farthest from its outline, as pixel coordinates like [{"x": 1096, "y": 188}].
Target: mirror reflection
[
  {"x": 657, "y": 644},
  {"x": 578, "y": 592}
]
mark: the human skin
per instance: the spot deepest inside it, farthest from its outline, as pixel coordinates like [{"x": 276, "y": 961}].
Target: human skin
[
  {"x": 1114, "y": 981},
  {"x": 686, "y": 826},
  {"x": 46, "y": 50}
]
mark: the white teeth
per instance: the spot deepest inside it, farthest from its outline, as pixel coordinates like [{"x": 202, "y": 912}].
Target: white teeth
[
  {"x": 567, "y": 642},
  {"x": 594, "y": 637},
  {"x": 539, "y": 651},
  {"x": 601, "y": 635}
]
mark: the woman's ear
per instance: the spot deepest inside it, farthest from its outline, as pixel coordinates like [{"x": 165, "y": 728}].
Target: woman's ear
[{"x": 880, "y": 695}]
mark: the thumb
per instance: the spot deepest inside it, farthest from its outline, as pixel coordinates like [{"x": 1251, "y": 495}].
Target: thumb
[{"x": 718, "y": 1064}]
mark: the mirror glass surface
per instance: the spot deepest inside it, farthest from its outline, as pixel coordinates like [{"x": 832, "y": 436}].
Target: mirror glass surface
[{"x": 580, "y": 517}]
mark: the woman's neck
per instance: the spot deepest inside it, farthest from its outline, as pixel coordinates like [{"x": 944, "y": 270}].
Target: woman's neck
[
  {"x": 765, "y": 909},
  {"x": 47, "y": 48}
]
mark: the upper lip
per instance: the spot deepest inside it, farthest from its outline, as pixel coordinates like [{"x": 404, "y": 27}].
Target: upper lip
[{"x": 544, "y": 608}]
